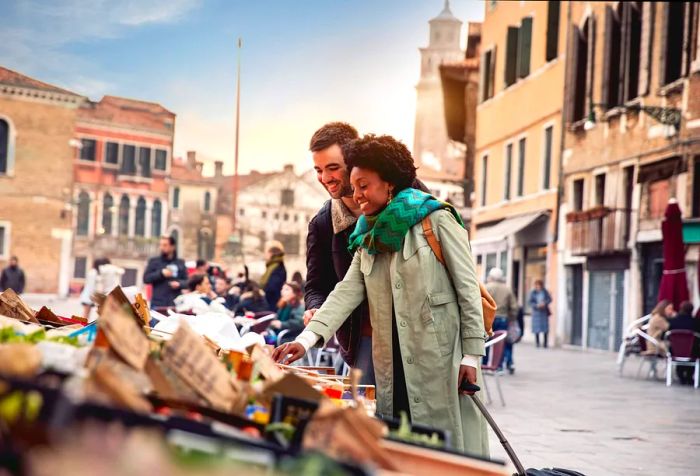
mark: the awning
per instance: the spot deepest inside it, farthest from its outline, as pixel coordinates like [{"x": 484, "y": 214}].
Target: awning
[
  {"x": 691, "y": 232},
  {"x": 503, "y": 230}
]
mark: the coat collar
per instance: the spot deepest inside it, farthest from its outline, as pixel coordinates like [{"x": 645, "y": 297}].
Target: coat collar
[{"x": 341, "y": 217}]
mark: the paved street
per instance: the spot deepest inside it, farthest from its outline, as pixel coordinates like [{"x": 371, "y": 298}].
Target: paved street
[{"x": 570, "y": 409}]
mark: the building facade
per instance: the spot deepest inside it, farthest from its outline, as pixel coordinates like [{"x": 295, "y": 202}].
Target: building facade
[
  {"x": 36, "y": 175},
  {"x": 621, "y": 165},
  {"x": 193, "y": 201},
  {"x": 518, "y": 139},
  {"x": 432, "y": 147},
  {"x": 121, "y": 190}
]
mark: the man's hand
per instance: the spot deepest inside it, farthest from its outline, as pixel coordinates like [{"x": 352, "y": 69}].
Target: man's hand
[
  {"x": 308, "y": 315},
  {"x": 174, "y": 284},
  {"x": 288, "y": 353},
  {"x": 466, "y": 373},
  {"x": 167, "y": 273}
]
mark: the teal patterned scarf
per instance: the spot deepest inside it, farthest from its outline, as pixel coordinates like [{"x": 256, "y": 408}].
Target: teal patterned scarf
[{"x": 385, "y": 231}]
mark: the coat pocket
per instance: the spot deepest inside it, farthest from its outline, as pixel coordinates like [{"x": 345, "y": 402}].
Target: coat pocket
[{"x": 438, "y": 312}]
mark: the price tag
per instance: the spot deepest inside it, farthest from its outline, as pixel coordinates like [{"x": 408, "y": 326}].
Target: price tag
[
  {"x": 124, "y": 335},
  {"x": 189, "y": 357}
]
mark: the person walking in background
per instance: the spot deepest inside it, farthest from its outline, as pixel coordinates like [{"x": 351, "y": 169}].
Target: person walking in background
[
  {"x": 275, "y": 273},
  {"x": 539, "y": 301},
  {"x": 506, "y": 312},
  {"x": 12, "y": 277},
  {"x": 166, "y": 273},
  {"x": 102, "y": 278},
  {"x": 658, "y": 325}
]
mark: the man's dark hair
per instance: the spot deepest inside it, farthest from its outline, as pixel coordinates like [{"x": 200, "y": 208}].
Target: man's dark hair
[
  {"x": 100, "y": 262},
  {"x": 332, "y": 133},
  {"x": 686, "y": 308},
  {"x": 171, "y": 239},
  {"x": 195, "y": 280},
  {"x": 200, "y": 262},
  {"x": 385, "y": 155}
]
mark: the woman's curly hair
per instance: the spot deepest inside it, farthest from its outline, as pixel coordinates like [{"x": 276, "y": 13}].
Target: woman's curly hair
[{"x": 383, "y": 154}]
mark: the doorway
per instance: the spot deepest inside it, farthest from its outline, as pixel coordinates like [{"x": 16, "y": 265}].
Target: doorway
[{"x": 574, "y": 294}]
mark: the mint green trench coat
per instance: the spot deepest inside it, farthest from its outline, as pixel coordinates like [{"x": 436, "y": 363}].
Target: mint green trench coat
[{"x": 438, "y": 317}]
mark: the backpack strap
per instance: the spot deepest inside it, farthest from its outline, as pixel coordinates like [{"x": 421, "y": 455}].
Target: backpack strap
[{"x": 432, "y": 239}]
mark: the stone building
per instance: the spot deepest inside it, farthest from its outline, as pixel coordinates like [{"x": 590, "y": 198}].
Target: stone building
[
  {"x": 193, "y": 201},
  {"x": 121, "y": 190},
  {"x": 36, "y": 175},
  {"x": 431, "y": 146},
  {"x": 632, "y": 141},
  {"x": 518, "y": 136}
]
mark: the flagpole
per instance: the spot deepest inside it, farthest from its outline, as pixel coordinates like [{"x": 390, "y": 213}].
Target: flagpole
[{"x": 238, "y": 121}]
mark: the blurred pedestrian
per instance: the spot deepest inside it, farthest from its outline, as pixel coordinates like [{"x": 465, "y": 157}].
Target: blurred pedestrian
[
  {"x": 229, "y": 294},
  {"x": 252, "y": 300},
  {"x": 539, "y": 302},
  {"x": 506, "y": 313},
  {"x": 102, "y": 278},
  {"x": 166, "y": 273},
  {"x": 12, "y": 277},
  {"x": 299, "y": 279},
  {"x": 658, "y": 325},
  {"x": 275, "y": 273},
  {"x": 684, "y": 320},
  {"x": 290, "y": 315}
]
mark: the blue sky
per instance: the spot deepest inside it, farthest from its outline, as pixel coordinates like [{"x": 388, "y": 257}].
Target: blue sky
[{"x": 305, "y": 62}]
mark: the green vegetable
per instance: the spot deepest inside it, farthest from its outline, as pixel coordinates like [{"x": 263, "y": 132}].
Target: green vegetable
[{"x": 405, "y": 433}]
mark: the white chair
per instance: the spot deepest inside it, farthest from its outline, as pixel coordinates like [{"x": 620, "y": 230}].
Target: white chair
[
  {"x": 497, "y": 345},
  {"x": 630, "y": 342}
]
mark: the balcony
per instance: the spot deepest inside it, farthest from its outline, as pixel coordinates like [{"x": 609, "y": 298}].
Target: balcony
[
  {"x": 125, "y": 247},
  {"x": 598, "y": 231}
]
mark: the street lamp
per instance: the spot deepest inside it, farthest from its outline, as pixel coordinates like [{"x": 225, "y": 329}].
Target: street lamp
[{"x": 667, "y": 116}]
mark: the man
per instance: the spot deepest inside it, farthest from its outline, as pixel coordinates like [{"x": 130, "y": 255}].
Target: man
[
  {"x": 230, "y": 294},
  {"x": 506, "y": 310},
  {"x": 12, "y": 277},
  {"x": 166, "y": 273}
]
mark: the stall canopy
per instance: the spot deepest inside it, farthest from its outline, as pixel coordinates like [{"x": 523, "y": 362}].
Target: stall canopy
[
  {"x": 674, "y": 284},
  {"x": 505, "y": 229}
]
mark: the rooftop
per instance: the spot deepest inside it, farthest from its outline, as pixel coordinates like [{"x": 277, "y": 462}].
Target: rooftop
[{"x": 13, "y": 78}]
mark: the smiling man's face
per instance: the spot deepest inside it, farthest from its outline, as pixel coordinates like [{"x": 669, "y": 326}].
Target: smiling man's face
[{"x": 331, "y": 172}]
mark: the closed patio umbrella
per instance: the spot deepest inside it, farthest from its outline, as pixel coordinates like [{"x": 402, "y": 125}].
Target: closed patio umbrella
[{"x": 674, "y": 284}]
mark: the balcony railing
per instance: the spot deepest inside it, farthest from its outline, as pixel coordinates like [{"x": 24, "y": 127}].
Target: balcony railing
[
  {"x": 598, "y": 231},
  {"x": 126, "y": 247}
]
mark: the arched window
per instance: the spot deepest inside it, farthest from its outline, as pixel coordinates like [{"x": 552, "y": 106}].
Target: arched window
[
  {"x": 207, "y": 201},
  {"x": 107, "y": 209},
  {"x": 124, "y": 216},
  {"x": 140, "y": 225},
  {"x": 4, "y": 145},
  {"x": 176, "y": 197},
  {"x": 156, "y": 215},
  {"x": 83, "y": 214}
]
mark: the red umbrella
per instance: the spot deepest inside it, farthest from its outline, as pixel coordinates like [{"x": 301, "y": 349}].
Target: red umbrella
[{"x": 674, "y": 285}]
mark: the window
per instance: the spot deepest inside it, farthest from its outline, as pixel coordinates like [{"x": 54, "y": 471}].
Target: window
[
  {"x": 87, "y": 149},
  {"x": 145, "y": 161},
  {"x": 552, "y": 49},
  {"x": 287, "y": 198},
  {"x": 128, "y": 160},
  {"x": 285, "y": 217},
  {"x": 124, "y": 216},
  {"x": 176, "y": 197},
  {"x": 613, "y": 48},
  {"x": 521, "y": 167},
  {"x": 107, "y": 209},
  {"x": 161, "y": 159},
  {"x": 577, "y": 204},
  {"x": 277, "y": 216},
  {"x": 600, "y": 190},
  {"x": 511, "y": 55},
  {"x": 581, "y": 72},
  {"x": 241, "y": 212},
  {"x": 83, "y": 214},
  {"x": 484, "y": 175},
  {"x": 628, "y": 187},
  {"x": 264, "y": 214},
  {"x": 80, "y": 267},
  {"x": 488, "y": 67},
  {"x": 622, "y": 53},
  {"x": 491, "y": 261},
  {"x": 4, "y": 146},
  {"x": 140, "y": 221},
  {"x": 111, "y": 153},
  {"x": 129, "y": 277},
  {"x": 4, "y": 240},
  {"x": 673, "y": 52},
  {"x": 546, "y": 173},
  {"x": 659, "y": 194},
  {"x": 156, "y": 218},
  {"x": 207, "y": 201},
  {"x": 634, "y": 49},
  {"x": 508, "y": 168},
  {"x": 518, "y": 47}
]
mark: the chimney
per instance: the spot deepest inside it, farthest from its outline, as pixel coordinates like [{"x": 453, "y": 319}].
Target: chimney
[
  {"x": 289, "y": 168},
  {"x": 218, "y": 168},
  {"x": 191, "y": 159}
]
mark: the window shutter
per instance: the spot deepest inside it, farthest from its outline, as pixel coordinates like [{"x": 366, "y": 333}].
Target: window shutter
[
  {"x": 492, "y": 73},
  {"x": 511, "y": 55},
  {"x": 524, "y": 47},
  {"x": 624, "y": 53},
  {"x": 591, "y": 62},
  {"x": 571, "y": 67},
  {"x": 646, "y": 49},
  {"x": 662, "y": 46},
  {"x": 482, "y": 78},
  {"x": 695, "y": 21},
  {"x": 685, "y": 65},
  {"x": 607, "y": 53},
  {"x": 552, "y": 30}
]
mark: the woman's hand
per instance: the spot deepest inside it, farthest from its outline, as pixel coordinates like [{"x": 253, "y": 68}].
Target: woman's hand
[
  {"x": 468, "y": 374},
  {"x": 276, "y": 324},
  {"x": 288, "y": 353}
]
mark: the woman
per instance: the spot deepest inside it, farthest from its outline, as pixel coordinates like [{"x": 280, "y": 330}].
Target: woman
[
  {"x": 539, "y": 301},
  {"x": 102, "y": 278},
  {"x": 658, "y": 325},
  {"x": 427, "y": 335},
  {"x": 252, "y": 300},
  {"x": 290, "y": 313},
  {"x": 275, "y": 273}
]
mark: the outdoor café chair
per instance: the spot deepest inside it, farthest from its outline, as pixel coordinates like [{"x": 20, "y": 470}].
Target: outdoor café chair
[
  {"x": 644, "y": 341},
  {"x": 631, "y": 344},
  {"x": 258, "y": 325},
  {"x": 681, "y": 345},
  {"x": 497, "y": 344}
]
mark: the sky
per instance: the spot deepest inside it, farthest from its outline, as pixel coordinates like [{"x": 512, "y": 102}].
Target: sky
[{"x": 304, "y": 63}]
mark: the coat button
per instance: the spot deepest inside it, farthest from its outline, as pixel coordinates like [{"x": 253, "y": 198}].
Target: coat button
[
  {"x": 409, "y": 360},
  {"x": 416, "y": 399},
  {"x": 403, "y": 323},
  {"x": 398, "y": 285}
]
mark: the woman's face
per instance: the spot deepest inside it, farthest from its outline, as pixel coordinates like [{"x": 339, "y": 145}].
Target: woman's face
[
  {"x": 669, "y": 311},
  {"x": 287, "y": 292},
  {"x": 370, "y": 192}
]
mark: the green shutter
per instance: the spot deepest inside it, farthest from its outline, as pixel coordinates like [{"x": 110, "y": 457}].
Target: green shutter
[
  {"x": 524, "y": 47},
  {"x": 511, "y": 55},
  {"x": 552, "y": 30}
]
